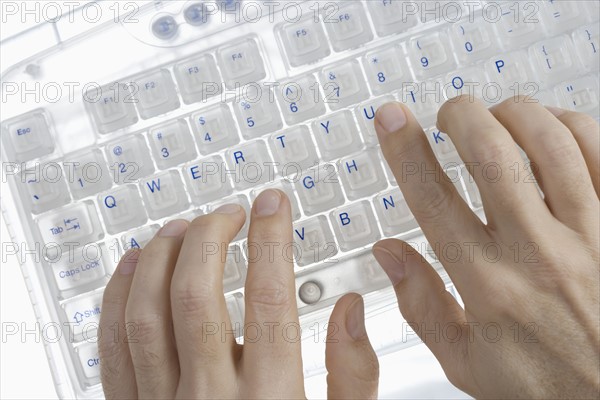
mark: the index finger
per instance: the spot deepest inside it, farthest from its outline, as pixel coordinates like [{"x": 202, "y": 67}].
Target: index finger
[{"x": 271, "y": 327}]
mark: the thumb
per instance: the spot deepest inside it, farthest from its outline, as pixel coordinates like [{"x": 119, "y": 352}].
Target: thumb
[
  {"x": 352, "y": 366},
  {"x": 425, "y": 304}
]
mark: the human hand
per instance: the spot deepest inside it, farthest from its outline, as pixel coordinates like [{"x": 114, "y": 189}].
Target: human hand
[
  {"x": 168, "y": 293},
  {"x": 530, "y": 326}
]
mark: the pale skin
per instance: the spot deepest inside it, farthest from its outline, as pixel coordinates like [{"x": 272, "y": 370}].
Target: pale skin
[{"x": 172, "y": 286}]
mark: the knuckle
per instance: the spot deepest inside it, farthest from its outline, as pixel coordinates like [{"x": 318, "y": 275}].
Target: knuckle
[
  {"x": 113, "y": 299},
  {"x": 191, "y": 301},
  {"x": 434, "y": 204},
  {"x": 271, "y": 298},
  {"x": 493, "y": 150},
  {"x": 580, "y": 122},
  {"x": 143, "y": 328}
]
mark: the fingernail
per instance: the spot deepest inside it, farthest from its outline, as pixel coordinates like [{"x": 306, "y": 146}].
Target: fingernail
[
  {"x": 557, "y": 112},
  {"x": 267, "y": 203},
  {"x": 394, "y": 269},
  {"x": 173, "y": 228},
  {"x": 391, "y": 117},
  {"x": 355, "y": 319},
  {"x": 228, "y": 209},
  {"x": 129, "y": 262}
]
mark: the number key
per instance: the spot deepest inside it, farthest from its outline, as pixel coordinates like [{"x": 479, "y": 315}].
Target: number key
[
  {"x": 129, "y": 159},
  {"x": 171, "y": 144},
  {"x": 343, "y": 85}
]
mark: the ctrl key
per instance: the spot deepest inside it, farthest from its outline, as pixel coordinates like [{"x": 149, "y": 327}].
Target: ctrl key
[{"x": 90, "y": 361}]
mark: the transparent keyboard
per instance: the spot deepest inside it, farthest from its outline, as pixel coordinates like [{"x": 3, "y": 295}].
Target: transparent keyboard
[{"x": 185, "y": 110}]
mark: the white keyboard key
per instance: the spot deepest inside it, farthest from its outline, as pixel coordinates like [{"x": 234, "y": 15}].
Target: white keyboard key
[
  {"x": 83, "y": 316},
  {"x": 386, "y": 69},
  {"x": 163, "y": 195},
  {"x": 214, "y": 129},
  {"x": 587, "y": 44},
  {"x": 336, "y": 135},
  {"x": 519, "y": 22},
  {"x": 198, "y": 79},
  {"x": 78, "y": 223},
  {"x": 286, "y": 188},
  {"x": 122, "y": 209},
  {"x": 472, "y": 40},
  {"x": 391, "y": 16},
  {"x": 257, "y": 112},
  {"x": 512, "y": 73},
  {"x": 44, "y": 187},
  {"x": 470, "y": 81},
  {"x": 206, "y": 180},
  {"x": 319, "y": 189},
  {"x": 394, "y": 214},
  {"x": 554, "y": 59},
  {"x": 293, "y": 150},
  {"x": 241, "y": 63},
  {"x": 129, "y": 159},
  {"x": 304, "y": 41},
  {"x": 355, "y": 225},
  {"x": 250, "y": 165},
  {"x": 300, "y": 99},
  {"x": 580, "y": 95},
  {"x": 424, "y": 100},
  {"x": 172, "y": 144},
  {"x": 80, "y": 267},
  {"x": 343, "y": 85},
  {"x": 593, "y": 9},
  {"x": 139, "y": 238},
  {"x": 242, "y": 201},
  {"x": 365, "y": 114},
  {"x": 89, "y": 360},
  {"x": 234, "y": 274},
  {"x": 27, "y": 136},
  {"x": 362, "y": 175},
  {"x": 561, "y": 15},
  {"x": 346, "y": 24},
  {"x": 442, "y": 146},
  {"x": 314, "y": 241},
  {"x": 429, "y": 55},
  {"x": 87, "y": 173},
  {"x": 155, "y": 94},
  {"x": 111, "y": 107}
]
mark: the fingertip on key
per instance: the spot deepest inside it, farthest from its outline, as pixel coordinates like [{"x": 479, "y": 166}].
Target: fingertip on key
[{"x": 391, "y": 117}]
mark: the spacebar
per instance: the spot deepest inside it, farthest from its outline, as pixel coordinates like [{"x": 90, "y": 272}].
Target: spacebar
[{"x": 319, "y": 287}]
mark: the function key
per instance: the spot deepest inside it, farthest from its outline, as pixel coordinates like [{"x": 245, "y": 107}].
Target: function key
[
  {"x": 27, "y": 136},
  {"x": 111, "y": 107},
  {"x": 304, "y": 42},
  {"x": 391, "y": 16},
  {"x": 347, "y": 25},
  {"x": 241, "y": 63},
  {"x": 155, "y": 94},
  {"x": 198, "y": 78}
]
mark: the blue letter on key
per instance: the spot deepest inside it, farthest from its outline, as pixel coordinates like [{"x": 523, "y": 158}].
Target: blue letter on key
[
  {"x": 238, "y": 155},
  {"x": 301, "y": 236},
  {"x": 154, "y": 186},
  {"x": 308, "y": 182},
  {"x": 345, "y": 219},
  {"x": 437, "y": 136},
  {"x": 110, "y": 201},
  {"x": 389, "y": 202},
  {"x": 195, "y": 172},
  {"x": 280, "y": 138},
  {"x": 350, "y": 166},
  {"x": 499, "y": 65},
  {"x": 325, "y": 126}
]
